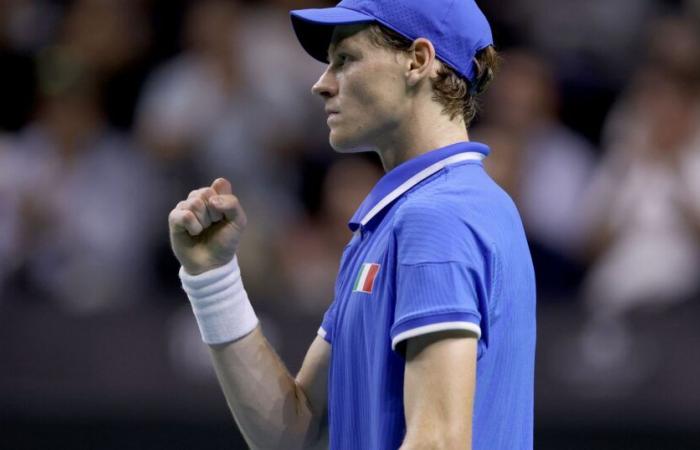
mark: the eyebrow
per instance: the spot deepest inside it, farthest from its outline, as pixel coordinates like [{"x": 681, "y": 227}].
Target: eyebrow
[
  {"x": 338, "y": 39},
  {"x": 333, "y": 47}
]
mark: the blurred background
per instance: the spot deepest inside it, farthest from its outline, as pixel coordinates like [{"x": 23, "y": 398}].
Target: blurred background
[{"x": 111, "y": 111}]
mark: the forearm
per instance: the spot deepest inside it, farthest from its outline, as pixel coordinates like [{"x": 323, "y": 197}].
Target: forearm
[
  {"x": 271, "y": 410},
  {"x": 269, "y": 405},
  {"x": 437, "y": 436},
  {"x": 438, "y": 444}
]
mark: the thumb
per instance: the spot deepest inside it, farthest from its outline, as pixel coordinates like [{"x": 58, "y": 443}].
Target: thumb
[
  {"x": 222, "y": 186},
  {"x": 229, "y": 207}
]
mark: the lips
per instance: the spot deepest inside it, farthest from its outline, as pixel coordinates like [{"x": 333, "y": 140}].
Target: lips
[
  {"x": 330, "y": 111},
  {"x": 332, "y": 116}
]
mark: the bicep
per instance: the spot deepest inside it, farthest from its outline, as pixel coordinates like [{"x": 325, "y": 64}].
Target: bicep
[
  {"x": 439, "y": 384},
  {"x": 312, "y": 379}
]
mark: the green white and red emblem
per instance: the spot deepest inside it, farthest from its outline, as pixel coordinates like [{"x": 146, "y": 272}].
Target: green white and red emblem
[{"x": 365, "y": 278}]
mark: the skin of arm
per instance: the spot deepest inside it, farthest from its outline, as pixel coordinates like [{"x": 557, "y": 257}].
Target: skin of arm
[
  {"x": 273, "y": 409},
  {"x": 439, "y": 384}
]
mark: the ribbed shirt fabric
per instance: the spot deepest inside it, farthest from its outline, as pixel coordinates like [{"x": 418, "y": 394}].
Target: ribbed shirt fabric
[{"x": 452, "y": 255}]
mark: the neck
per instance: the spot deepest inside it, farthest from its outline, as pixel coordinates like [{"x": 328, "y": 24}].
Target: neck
[{"x": 416, "y": 137}]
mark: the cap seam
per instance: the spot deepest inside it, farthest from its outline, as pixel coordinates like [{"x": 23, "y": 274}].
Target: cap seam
[
  {"x": 443, "y": 20},
  {"x": 443, "y": 23}
]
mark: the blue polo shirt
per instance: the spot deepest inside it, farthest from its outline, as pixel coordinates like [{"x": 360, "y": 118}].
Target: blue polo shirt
[{"x": 437, "y": 245}]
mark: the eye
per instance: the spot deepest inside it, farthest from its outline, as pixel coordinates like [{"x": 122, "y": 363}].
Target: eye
[{"x": 341, "y": 59}]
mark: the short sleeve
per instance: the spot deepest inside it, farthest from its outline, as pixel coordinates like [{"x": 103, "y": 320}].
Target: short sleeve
[
  {"x": 443, "y": 272},
  {"x": 328, "y": 324},
  {"x": 327, "y": 328}
]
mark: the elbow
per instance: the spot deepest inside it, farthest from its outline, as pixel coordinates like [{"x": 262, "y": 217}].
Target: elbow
[{"x": 296, "y": 431}]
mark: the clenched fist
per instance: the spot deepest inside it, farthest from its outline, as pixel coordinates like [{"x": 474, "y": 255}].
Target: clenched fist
[{"x": 205, "y": 229}]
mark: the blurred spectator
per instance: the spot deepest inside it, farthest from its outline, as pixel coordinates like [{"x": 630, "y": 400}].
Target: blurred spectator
[
  {"x": 504, "y": 163},
  {"x": 269, "y": 44},
  {"x": 198, "y": 106},
  {"x": 19, "y": 22},
  {"x": 584, "y": 39},
  {"x": 541, "y": 163},
  {"x": 8, "y": 222},
  {"x": 189, "y": 96},
  {"x": 200, "y": 118},
  {"x": 310, "y": 251},
  {"x": 83, "y": 193},
  {"x": 692, "y": 8},
  {"x": 95, "y": 30},
  {"x": 643, "y": 210},
  {"x": 28, "y": 25}
]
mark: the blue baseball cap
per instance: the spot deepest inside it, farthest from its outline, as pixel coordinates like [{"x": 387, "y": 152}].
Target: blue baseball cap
[{"x": 457, "y": 28}]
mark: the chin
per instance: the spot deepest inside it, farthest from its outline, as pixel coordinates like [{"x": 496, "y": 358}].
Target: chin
[{"x": 343, "y": 144}]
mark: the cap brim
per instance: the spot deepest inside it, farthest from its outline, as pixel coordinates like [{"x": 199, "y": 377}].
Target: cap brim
[{"x": 314, "y": 27}]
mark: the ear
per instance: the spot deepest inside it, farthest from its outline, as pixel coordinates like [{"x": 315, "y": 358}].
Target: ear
[{"x": 421, "y": 62}]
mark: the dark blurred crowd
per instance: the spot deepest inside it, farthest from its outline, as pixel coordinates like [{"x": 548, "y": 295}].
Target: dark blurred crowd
[{"x": 111, "y": 111}]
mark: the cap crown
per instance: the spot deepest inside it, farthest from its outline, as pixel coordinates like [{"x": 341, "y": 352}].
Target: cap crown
[{"x": 457, "y": 28}]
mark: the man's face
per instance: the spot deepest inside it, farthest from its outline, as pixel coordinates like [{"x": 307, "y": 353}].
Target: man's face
[{"x": 363, "y": 89}]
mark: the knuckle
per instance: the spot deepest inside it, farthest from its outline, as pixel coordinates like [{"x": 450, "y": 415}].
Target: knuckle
[
  {"x": 195, "y": 193},
  {"x": 197, "y": 203},
  {"x": 189, "y": 217},
  {"x": 176, "y": 218}
]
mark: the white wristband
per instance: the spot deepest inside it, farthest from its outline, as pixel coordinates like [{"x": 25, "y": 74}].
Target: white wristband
[{"x": 220, "y": 303}]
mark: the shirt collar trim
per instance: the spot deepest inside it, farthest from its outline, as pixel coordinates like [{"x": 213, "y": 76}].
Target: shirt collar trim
[{"x": 402, "y": 178}]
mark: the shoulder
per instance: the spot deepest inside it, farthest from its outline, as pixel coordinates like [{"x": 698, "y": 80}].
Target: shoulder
[
  {"x": 461, "y": 213},
  {"x": 462, "y": 194},
  {"x": 433, "y": 224}
]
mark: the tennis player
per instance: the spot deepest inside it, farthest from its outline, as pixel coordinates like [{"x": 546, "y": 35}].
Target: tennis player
[{"x": 429, "y": 342}]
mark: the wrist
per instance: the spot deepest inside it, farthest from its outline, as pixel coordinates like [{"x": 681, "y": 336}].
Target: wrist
[
  {"x": 220, "y": 303},
  {"x": 195, "y": 269}
]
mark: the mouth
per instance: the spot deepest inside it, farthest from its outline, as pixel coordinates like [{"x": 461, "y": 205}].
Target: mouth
[{"x": 332, "y": 115}]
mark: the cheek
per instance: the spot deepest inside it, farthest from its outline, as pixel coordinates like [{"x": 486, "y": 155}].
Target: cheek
[{"x": 376, "y": 100}]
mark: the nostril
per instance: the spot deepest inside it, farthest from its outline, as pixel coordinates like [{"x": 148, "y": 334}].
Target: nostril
[
  {"x": 322, "y": 91},
  {"x": 319, "y": 90}
]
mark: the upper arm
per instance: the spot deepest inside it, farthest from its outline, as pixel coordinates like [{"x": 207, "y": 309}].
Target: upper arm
[
  {"x": 312, "y": 379},
  {"x": 439, "y": 384},
  {"x": 445, "y": 274}
]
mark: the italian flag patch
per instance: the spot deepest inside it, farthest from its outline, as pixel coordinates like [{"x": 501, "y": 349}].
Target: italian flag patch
[{"x": 365, "y": 279}]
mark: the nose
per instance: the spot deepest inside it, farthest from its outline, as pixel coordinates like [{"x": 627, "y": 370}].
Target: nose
[{"x": 326, "y": 86}]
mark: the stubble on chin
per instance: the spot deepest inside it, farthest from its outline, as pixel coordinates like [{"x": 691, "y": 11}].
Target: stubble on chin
[{"x": 343, "y": 144}]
